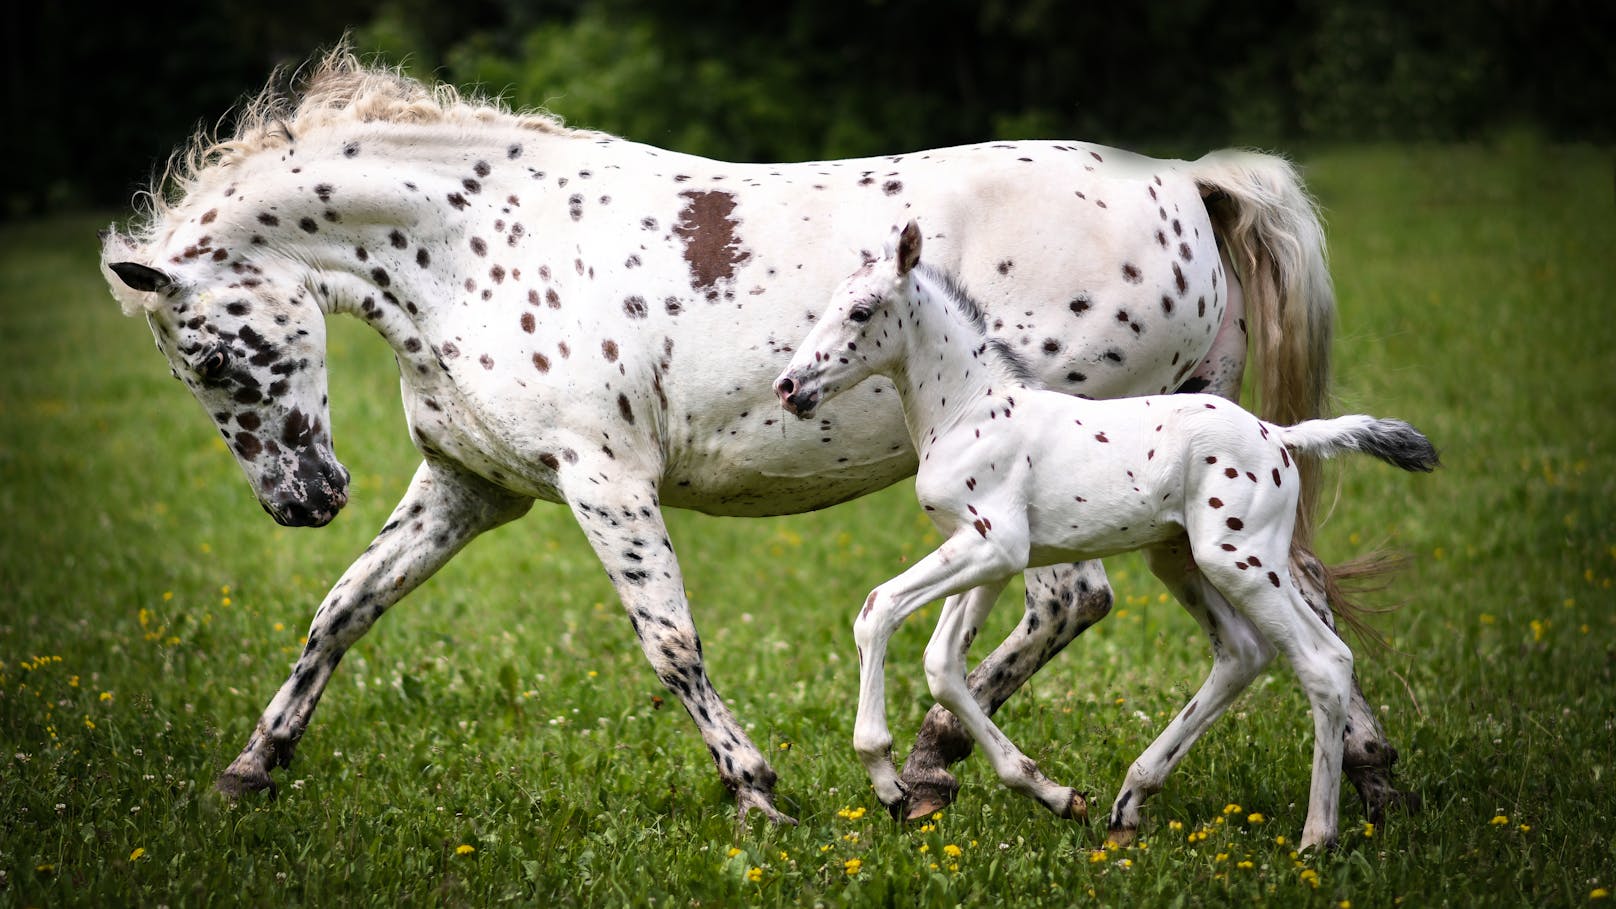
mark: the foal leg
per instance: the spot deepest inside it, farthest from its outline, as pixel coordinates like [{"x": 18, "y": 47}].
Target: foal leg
[
  {"x": 1239, "y": 653},
  {"x": 1370, "y": 756},
  {"x": 945, "y": 673},
  {"x": 442, "y": 511},
  {"x": 964, "y": 561},
  {"x": 623, "y": 523},
  {"x": 1062, "y": 602}
]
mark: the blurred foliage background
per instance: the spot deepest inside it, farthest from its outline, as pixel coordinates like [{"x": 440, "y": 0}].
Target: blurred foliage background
[{"x": 97, "y": 101}]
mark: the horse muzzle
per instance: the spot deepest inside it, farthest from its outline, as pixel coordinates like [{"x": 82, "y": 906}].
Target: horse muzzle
[
  {"x": 311, "y": 497},
  {"x": 795, "y": 397}
]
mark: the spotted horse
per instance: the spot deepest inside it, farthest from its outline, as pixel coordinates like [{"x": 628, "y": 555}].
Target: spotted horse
[
  {"x": 591, "y": 321},
  {"x": 1013, "y": 475}
]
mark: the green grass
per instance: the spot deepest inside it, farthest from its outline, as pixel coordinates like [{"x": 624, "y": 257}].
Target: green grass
[{"x": 150, "y": 609}]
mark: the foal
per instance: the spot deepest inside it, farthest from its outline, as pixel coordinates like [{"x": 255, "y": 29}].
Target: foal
[{"x": 1014, "y": 476}]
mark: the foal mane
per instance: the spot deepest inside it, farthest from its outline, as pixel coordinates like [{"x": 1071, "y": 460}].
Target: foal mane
[
  {"x": 1014, "y": 365},
  {"x": 334, "y": 89}
]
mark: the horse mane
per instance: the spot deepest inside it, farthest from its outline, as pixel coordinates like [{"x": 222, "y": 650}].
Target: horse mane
[
  {"x": 1014, "y": 365},
  {"x": 333, "y": 89}
]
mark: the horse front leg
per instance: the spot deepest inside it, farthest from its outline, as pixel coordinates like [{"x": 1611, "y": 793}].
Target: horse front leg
[
  {"x": 441, "y": 512},
  {"x": 623, "y": 523},
  {"x": 1062, "y": 602}
]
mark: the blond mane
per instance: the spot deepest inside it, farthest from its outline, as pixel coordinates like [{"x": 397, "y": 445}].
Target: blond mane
[{"x": 338, "y": 88}]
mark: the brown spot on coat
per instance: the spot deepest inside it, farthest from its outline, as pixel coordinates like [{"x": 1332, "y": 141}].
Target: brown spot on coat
[{"x": 706, "y": 227}]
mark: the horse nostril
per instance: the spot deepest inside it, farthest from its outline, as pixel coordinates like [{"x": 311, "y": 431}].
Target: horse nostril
[{"x": 785, "y": 386}]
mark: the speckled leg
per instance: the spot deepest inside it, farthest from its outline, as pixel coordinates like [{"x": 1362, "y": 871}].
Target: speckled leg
[
  {"x": 440, "y": 513},
  {"x": 1062, "y": 602},
  {"x": 623, "y": 522}
]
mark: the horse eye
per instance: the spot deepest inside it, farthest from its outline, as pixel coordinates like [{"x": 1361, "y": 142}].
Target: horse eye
[
  {"x": 213, "y": 363},
  {"x": 862, "y": 314}
]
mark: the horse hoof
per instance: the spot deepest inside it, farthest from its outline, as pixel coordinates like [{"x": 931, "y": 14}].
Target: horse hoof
[
  {"x": 1077, "y": 808},
  {"x": 929, "y": 793},
  {"x": 233, "y": 784},
  {"x": 748, "y": 801}
]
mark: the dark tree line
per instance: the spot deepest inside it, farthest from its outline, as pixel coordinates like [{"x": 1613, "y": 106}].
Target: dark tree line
[{"x": 96, "y": 102}]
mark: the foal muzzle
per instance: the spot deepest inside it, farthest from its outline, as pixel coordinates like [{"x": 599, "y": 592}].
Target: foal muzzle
[{"x": 795, "y": 397}]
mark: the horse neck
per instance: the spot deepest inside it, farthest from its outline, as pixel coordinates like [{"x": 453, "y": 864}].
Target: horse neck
[
  {"x": 946, "y": 364},
  {"x": 365, "y": 260}
]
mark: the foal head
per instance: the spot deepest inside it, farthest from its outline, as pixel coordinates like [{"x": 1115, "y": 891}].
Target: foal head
[
  {"x": 860, "y": 334},
  {"x": 250, "y": 344}
]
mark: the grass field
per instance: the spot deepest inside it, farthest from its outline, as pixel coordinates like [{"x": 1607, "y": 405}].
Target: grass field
[{"x": 497, "y": 738}]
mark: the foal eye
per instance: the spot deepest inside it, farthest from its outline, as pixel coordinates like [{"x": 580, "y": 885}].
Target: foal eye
[
  {"x": 213, "y": 363},
  {"x": 861, "y": 314}
]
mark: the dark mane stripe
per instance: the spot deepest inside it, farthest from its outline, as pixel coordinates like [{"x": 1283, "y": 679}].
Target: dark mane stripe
[{"x": 954, "y": 291}]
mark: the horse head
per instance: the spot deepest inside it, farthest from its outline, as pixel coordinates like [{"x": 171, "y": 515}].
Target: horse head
[
  {"x": 859, "y": 334},
  {"x": 250, "y": 344}
]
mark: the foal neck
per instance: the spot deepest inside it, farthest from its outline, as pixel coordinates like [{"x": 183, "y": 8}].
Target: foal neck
[{"x": 949, "y": 362}]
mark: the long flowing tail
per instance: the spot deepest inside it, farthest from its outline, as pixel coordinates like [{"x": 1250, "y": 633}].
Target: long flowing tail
[
  {"x": 1392, "y": 441},
  {"x": 1269, "y": 226}
]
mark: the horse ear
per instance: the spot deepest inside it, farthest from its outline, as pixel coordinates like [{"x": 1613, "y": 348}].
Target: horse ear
[
  {"x": 908, "y": 248},
  {"x": 143, "y": 278}
]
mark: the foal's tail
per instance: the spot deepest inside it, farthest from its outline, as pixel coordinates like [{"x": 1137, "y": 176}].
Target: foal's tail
[
  {"x": 1392, "y": 441},
  {"x": 1269, "y": 226}
]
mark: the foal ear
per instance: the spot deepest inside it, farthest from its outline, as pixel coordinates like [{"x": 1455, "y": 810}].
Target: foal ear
[
  {"x": 143, "y": 278},
  {"x": 908, "y": 248}
]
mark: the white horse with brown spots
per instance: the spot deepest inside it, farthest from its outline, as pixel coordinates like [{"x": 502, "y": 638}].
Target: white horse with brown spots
[
  {"x": 1016, "y": 477},
  {"x": 586, "y": 320}
]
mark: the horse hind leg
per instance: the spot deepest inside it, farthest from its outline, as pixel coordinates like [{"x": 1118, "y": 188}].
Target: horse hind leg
[
  {"x": 1369, "y": 758},
  {"x": 1239, "y": 653},
  {"x": 1062, "y": 602},
  {"x": 440, "y": 513}
]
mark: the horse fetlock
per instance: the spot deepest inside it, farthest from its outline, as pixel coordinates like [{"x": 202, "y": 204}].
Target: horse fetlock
[{"x": 760, "y": 799}]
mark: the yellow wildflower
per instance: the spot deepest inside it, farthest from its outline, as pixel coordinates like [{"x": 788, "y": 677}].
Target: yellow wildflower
[
  {"x": 1175, "y": 825},
  {"x": 952, "y": 851},
  {"x": 135, "y": 856},
  {"x": 851, "y": 814},
  {"x": 1245, "y": 865},
  {"x": 1499, "y": 820},
  {"x": 734, "y": 851},
  {"x": 755, "y": 875},
  {"x": 1310, "y": 878},
  {"x": 1599, "y": 893},
  {"x": 1096, "y": 856},
  {"x": 1368, "y": 829},
  {"x": 465, "y": 849},
  {"x": 852, "y": 865},
  {"x": 1255, "y": 817},
  {"x": 1231, "y": 808}
]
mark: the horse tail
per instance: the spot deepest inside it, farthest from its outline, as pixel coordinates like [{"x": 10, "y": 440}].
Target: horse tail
[
  {"x": 1392, "y": 441},
  {"x": 1269, "y": 226}
]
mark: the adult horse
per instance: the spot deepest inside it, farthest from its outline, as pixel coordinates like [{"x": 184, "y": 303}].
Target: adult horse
[{"x": 587, "y": 320}]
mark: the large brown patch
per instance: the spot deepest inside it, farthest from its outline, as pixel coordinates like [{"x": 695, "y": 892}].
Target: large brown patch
[{"x": 707, "y": 229}]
